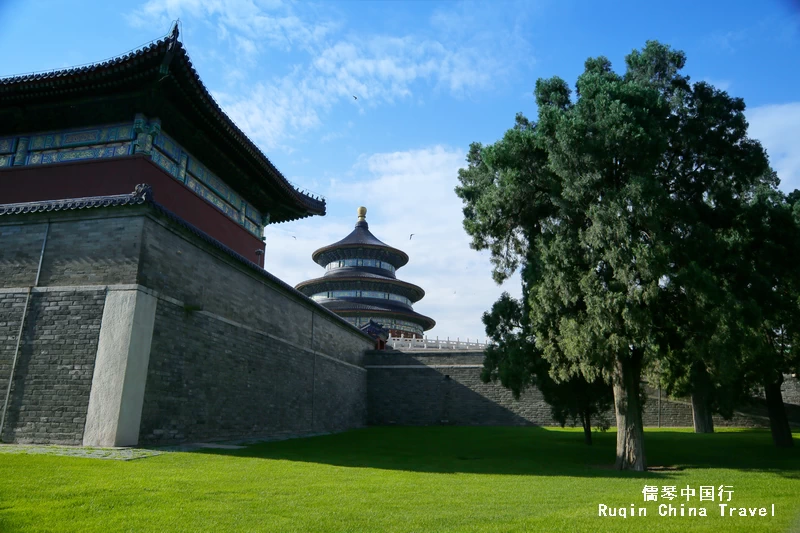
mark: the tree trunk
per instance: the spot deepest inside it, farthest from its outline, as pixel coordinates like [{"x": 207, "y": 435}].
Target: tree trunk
[
  {"x": 701, "y": 399},
  {"x": 630, "y": 434},
  {"x": 778, "y": 421},
  {"x": 586, "y": 418}
]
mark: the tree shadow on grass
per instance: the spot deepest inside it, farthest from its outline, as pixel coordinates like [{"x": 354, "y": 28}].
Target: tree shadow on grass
[
  {"x": 735, "y": 449},
  {"x": 524, "y": 451}
]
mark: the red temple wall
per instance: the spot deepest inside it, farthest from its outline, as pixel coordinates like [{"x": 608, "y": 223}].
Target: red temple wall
[{"x": 120, "y": 176}]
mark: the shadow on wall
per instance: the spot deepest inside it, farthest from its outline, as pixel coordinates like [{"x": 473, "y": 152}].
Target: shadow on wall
[
  {"x": 447, "y": 396},
  {"x": 435, "y": 388},
  {"x": 534, "y": 451}
]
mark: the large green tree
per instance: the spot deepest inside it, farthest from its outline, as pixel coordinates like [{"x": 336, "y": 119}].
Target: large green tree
[{"x": 604, "y": 201}]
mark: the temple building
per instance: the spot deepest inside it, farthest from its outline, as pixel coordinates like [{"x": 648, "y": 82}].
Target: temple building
[
  {"x": 360, "y": 284},
  {"x": 145, "y": 117}
]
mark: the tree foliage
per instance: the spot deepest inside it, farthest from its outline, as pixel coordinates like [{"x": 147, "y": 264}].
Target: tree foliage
[
  {"x": 515, "y": 360},
  {"x": 620, "y": 203},
  {"x": 766, "y": 282}
]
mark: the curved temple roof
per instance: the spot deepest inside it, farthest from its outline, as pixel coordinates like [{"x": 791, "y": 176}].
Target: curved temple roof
[
  {"x": 359, "y": 238},
  {"x": 363, "y": 276},
  {"x": 158, "y": 72}
]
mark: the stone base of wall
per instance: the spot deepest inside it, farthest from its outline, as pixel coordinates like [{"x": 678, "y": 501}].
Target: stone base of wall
[{"x": 441, "y": 388}]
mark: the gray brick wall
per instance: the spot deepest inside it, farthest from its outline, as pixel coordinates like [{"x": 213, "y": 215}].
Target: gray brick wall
[
  {"x": 20, "y": 247},
  {"x": 94, "y": 251},
  {"x": 328, "y": 339},
  {"x": 11, "y": 310},
  {"x": 53, "y": 376},
  {"x": 677, "y": 412},
  {"x": 208, "y": 378},
  {"x": 340, "y": 396},
  {"x": 790, "y": 390},
  {"x": 180, "y": 266},
  {"x": 442, "y": 393},
  {"x": 212, "y": 379}
]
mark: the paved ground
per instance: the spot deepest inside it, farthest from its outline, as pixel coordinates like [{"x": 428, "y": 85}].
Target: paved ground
[
  {"x": 120, "y": 454},
  {"x": 128, "y": 454}
]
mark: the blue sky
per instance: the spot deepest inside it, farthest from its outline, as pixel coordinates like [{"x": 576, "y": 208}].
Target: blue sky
[{"x": 430, "y": 77}]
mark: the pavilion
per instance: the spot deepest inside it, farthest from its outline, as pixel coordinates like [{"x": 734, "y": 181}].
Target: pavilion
[{"x": 360, "y": 285}]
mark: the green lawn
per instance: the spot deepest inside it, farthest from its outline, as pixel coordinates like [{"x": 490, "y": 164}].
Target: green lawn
[{"x": 404, "y": 479}]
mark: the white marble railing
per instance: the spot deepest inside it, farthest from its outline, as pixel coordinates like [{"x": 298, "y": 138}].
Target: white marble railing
[{"x": 410, "y": 343}]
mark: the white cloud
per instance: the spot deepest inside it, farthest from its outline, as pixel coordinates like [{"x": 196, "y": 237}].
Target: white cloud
[
  {"x": 405, "y": 192},
  {"x": 272, "y": 22},
  {"x": 778, "y": 128},
  {"x": 271, "y": 111},
  {"x": 378, "y": 70},
  {"x": 276, "y": 107}
]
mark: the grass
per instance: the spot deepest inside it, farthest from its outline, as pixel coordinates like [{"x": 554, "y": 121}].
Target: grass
[{"x": 403, "y": 479}]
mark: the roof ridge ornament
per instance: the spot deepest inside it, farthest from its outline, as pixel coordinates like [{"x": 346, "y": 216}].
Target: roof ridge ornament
[
  {"x": 143, "y": 192},
  {"x": 173, "y": 42},
  {"x": 362, "y": 218}
]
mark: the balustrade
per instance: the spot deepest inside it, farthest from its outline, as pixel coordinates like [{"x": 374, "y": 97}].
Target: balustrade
[{"x": 425, "y": 343}]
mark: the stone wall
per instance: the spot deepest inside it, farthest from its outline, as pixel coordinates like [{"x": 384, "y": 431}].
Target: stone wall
[
  {"x": 433, "y": 388},
  {"x": 244, "y": 356},
  {"x": 55, "y": 363},
  {"x": 234, "y": 351},
  {"x": 790, "y": 390},
  {"x": 422, "y": 389},
  {"x": 53, "y": 374},
  {"x": 210, "y": 378}
]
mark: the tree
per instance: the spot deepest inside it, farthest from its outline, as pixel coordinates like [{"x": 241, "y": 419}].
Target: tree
[
  {"x": 600, "y": 201},
  {"x": 515, "y": 360},
  {"x": 711, "y": 168},
  {"x": 764, "y": 277}
]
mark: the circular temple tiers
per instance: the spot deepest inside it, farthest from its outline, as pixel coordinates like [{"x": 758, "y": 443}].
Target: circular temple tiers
[{"x": 360, "y": 285}]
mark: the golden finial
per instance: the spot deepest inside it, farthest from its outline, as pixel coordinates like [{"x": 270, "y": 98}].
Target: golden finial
[{"x": 362, "y": 213}]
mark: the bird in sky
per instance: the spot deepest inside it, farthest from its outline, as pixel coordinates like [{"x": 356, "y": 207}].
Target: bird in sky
[
  {"x": 409, "y": 237},
  {"x": 355, "y": 97},
  {"x": 293, "y": 237}
]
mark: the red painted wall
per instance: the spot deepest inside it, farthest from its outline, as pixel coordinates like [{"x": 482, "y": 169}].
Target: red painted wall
[{"x": 120, "y": 176}]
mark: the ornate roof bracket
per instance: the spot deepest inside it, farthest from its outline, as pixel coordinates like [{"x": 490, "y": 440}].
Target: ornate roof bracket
[{"x": 146, "y": 132}]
